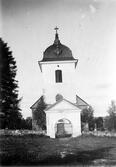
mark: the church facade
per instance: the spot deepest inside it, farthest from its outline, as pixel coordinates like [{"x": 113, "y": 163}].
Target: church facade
[{"x": 64, "y": 106}]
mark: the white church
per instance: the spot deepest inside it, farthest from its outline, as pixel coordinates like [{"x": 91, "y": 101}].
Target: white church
[{"x": 63, "y": 111}]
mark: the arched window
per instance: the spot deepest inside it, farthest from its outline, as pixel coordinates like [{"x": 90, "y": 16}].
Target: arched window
[{"x": 58, "y": 75}]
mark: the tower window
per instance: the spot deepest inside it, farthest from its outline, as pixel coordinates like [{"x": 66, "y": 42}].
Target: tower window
[{"x": 58, "y": 74}]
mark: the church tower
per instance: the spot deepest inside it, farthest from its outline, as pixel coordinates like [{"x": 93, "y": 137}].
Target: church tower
[
  {"x": 58, "y": 70},
  {"x": 63, "y": 105}
]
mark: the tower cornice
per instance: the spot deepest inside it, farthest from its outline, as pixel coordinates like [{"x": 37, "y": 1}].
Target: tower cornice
[{"x": 57, "y": 62}]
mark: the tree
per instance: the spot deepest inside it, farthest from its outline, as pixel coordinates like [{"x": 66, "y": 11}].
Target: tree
[
  {"x": 87, "y": 117},
  {"x": 99, "y": 123},
  {"x": 39, "y": 115},
  {"x": 28, "y": 123},
  {"x": 110, "y": 121},
  {"x": 9, "y": 101},
  {"x": 112, "y": 108},
  {"x": 23, "y": 124}
]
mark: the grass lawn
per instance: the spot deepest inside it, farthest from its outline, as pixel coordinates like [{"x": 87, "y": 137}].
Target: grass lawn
[{"x": 35, "y": 150}]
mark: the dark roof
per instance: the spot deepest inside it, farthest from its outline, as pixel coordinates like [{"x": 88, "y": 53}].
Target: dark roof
[
  {"x": 57, "y": 52},
  {"x": 80, "y": 103},
  {"x": 34, "y": 106}
]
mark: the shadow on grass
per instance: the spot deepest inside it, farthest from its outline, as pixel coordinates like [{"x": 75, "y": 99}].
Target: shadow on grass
[{"x": 79, "y": 158}]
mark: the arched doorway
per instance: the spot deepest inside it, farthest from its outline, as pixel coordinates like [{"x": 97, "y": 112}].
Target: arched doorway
[{"x": 63, "y": 128}]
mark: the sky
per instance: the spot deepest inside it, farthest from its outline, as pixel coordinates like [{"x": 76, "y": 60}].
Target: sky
[{"x": 87, "y": 27}]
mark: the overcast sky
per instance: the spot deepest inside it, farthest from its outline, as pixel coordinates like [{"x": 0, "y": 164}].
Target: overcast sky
[{"x": 87, "y": 27}]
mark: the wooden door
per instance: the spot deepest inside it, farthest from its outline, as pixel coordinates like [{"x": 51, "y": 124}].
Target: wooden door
[{"x": 60, "y": 129}]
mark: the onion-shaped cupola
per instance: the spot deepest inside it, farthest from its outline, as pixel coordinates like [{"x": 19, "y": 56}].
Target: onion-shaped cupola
[{"x": 57, "y": 51}]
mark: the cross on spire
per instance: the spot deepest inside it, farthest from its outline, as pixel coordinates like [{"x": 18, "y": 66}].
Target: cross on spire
[
  {"x": 56, "y": 28},
  {"x": 56, "y": 41}
]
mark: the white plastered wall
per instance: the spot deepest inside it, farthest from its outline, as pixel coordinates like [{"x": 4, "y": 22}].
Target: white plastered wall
[
  {"x": 66, "y": 88},
  {"x": 60, "y": 112}
]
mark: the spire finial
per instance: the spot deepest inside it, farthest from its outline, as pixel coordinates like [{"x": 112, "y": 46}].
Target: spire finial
[
  {"x": 56, "y": 41},
  {"x": 56, "y": 28}
]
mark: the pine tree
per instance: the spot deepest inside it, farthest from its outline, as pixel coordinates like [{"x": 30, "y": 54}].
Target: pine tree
[{"x": 9, "y": 101}]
